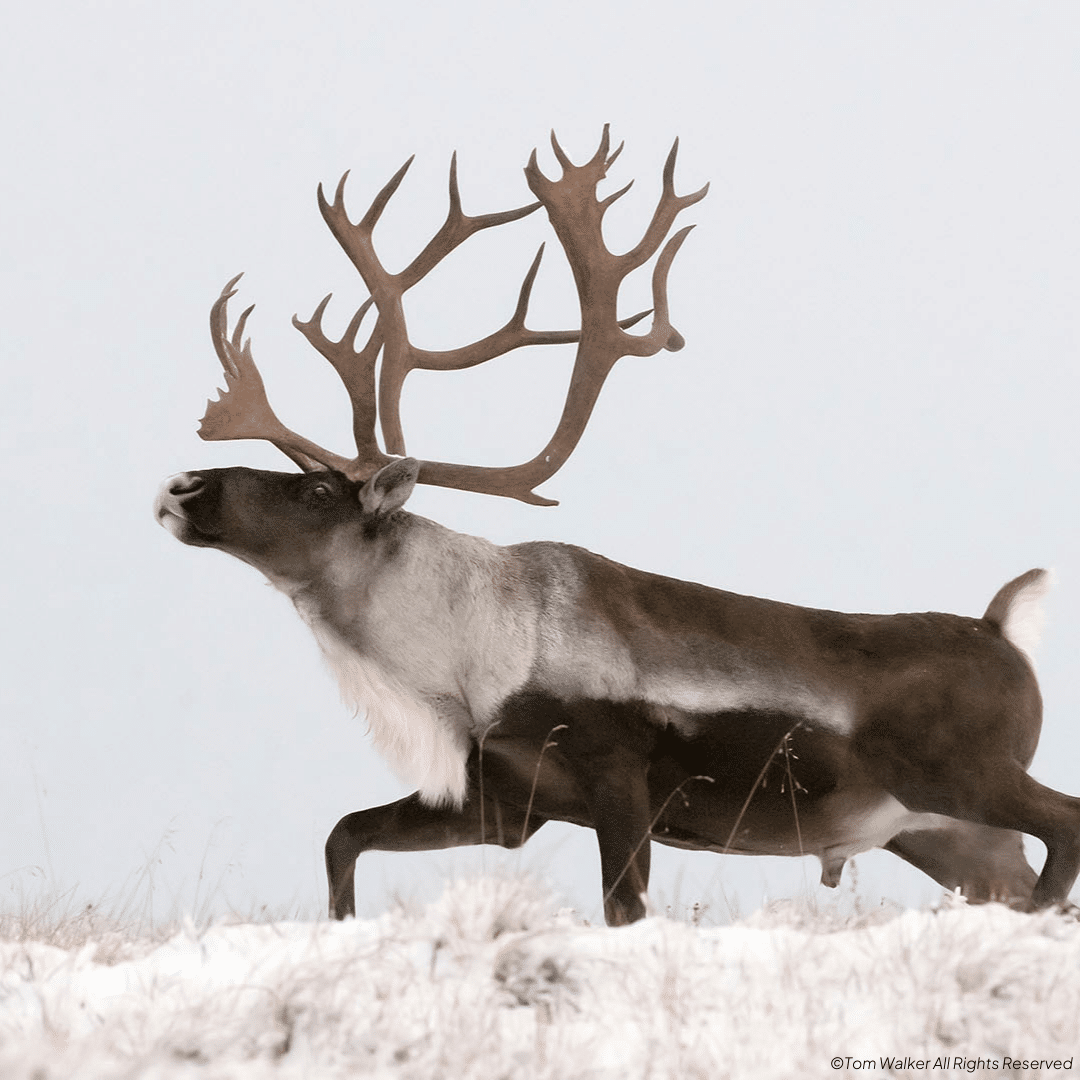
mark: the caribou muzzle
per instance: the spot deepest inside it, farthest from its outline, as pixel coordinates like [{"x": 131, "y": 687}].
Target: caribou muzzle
[{"x": 178, "y": 505}]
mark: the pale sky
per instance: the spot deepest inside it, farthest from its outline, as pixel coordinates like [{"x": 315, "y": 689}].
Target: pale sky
[{"x": 875, "y": 409}]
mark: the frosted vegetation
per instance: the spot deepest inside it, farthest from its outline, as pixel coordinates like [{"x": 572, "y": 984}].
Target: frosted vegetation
[{"x": 493, "y": 981}]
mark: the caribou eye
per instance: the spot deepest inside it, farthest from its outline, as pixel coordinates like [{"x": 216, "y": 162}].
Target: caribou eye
[{"x": 321, "y": 491}]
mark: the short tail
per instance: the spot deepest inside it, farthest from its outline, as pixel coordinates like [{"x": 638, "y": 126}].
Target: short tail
[{"x": 1016, "y": 609}]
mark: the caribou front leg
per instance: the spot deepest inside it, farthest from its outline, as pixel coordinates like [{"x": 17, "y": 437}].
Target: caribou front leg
[
  {"x": 412, "y": 825},
  {"x": 618, "y": 799}
]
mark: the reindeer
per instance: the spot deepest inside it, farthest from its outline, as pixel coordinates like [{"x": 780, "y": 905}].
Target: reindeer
[{"x": 517, "y": 685}]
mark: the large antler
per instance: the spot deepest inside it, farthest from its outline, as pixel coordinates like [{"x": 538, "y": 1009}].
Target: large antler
[{"x": 243, "y": 412}]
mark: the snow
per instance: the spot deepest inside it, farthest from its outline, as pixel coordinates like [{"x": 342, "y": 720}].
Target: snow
[{"x": 491, "y": 981}]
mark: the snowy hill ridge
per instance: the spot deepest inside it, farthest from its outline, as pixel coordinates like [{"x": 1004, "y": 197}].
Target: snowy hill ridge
[{"x": 487, "y": 983}]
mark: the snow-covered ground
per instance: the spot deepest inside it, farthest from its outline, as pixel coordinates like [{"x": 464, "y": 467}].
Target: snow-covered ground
[{"x": 491, "y": 981}]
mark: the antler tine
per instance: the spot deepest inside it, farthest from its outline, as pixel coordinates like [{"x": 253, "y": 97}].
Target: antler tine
[
  {"x": 662, "y": 335},
  {"x": 453, "y": 192},
  {"x": 354, "y": 323},
  {"x": 238, "y": 331},
  {"x": 219, "y": 326},
  {"x": 667, "y": 209},
  {"x": 601, "y": 155},
  {"x": 669, "y": 180},
  {"x": 560, "y": 153},
  {"x": 606, "y": 202},
  {"x": 325, "y": 208},
  {"x": 316, "y": 315},
  {"x": 517, "y": 320},
  {"x": 378, "y": 204},
  {"x": 669, "y": 167}
]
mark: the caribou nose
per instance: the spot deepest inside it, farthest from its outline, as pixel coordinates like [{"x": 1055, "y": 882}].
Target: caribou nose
[
  {"x": 184, "y": 483},
  {"x": 170, "y": 499}
]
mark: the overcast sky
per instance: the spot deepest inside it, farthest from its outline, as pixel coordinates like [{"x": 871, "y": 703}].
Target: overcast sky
[{"x": 875, "y": 409}]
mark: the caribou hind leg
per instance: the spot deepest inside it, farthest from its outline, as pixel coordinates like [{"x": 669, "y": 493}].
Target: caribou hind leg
[
  {"x": 984, "y": 863},
  {"x": 1005, "y": 798},
  {"x": 412, "y": 825},
  {"x": 1023, "y": 803}
]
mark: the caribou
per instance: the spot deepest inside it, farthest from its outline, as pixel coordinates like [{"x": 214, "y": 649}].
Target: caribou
[{"x": 539, "y": 681}]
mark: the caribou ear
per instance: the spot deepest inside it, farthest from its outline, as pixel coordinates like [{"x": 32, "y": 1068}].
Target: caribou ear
[{"x": 390, "y": 487}]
